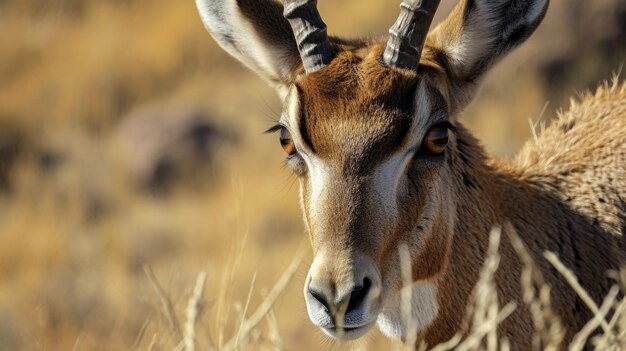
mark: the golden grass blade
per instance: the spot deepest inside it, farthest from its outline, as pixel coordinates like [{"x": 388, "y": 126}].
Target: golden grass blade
[
  {"x": 152, "y": 342},
  {"x": 407, "y": 295},
  {"x": 580, "y": 339},
  {"x": 76, "y": 344},
  {"x": 245, "y": 310},
  {"x": 140, "y": 335},
  {"x": 573, "y": 282},
  {"x": 448, "y": 345},
  {"x": 474, "y": 339},
  {"x": 274, "y": 331},
  {"x": 549, "y": 331},
  {"x": 618, "y": 312},
  {"x": 193, "y": 309}
]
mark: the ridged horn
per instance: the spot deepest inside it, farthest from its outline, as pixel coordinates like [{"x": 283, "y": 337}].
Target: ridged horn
[
  {"x": 408, "y": 34},
  {"x": 310, "y": 33}
]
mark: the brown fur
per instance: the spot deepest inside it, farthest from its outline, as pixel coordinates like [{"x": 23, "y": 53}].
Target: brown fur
[
  {"x": 361, "y": 93},
  {"x": 564, "y": 193}
]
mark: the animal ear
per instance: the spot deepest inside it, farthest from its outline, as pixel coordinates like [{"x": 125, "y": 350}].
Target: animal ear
[
  {"x": 477, "y": 34},
  {"x": 256, "y": 33}
]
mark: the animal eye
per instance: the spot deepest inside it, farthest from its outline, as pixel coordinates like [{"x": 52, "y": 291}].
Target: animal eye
[
  {"x": 436, "y": 140},
  {"x": 286, "y": 142}
]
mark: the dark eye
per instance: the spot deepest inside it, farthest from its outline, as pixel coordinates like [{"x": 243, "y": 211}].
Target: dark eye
[
  {"x": 436, "y": 140},
  {"x": 286, "y": 142}
]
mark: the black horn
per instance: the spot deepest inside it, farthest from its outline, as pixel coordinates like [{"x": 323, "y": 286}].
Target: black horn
[
  {"x": 310, "y": 33},
  {"x": 408, "y": 34}
]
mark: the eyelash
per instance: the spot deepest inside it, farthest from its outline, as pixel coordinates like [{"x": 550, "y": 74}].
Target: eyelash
[{"x": 274, "y": 129}]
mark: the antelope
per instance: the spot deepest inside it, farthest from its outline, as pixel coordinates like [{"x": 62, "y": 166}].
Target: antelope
[{"x": 371, "y": 129}]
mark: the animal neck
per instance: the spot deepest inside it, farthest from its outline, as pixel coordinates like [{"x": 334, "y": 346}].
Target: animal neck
[
  {"x": 487, "y": 194},
  {"x": 566, "y": 212}
]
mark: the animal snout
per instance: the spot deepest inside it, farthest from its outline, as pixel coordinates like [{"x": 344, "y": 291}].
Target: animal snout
[{"x": 343, "y": 308}]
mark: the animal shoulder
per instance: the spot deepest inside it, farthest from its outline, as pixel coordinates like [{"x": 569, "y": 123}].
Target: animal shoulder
[{"x": 581, "y": 157}]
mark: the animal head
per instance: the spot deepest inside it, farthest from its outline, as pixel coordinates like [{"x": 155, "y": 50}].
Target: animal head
[{"x": 368, "y": 127}]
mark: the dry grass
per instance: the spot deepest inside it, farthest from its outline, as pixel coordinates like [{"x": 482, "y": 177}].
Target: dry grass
[
  {"x": 248, "y": 333},
  {"x": 484, "y": 313},
  {"x": 76, "y": 230}
]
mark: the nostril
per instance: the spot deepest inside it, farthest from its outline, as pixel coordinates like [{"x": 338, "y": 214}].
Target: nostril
[
  {"x": 319, "y": 297},
  {"x": 358, "y": 295}
]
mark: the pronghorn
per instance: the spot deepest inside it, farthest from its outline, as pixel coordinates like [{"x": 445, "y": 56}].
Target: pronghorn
[{"x": 371, "y": 128}]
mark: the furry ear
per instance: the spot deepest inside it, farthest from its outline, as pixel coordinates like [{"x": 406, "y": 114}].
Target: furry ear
[
  {"x": 256, "y": 33},
  {"x": 477, "y": 34}
]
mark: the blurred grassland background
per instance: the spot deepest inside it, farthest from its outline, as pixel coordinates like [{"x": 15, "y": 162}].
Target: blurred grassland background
[{"x": 128, "y": 138}]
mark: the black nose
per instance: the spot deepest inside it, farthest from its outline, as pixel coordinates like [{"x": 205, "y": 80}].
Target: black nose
[
  {"x": 358, "y": 295},
  {"x": 319, "y": 296},
  {"x": 355, "y": 298}
]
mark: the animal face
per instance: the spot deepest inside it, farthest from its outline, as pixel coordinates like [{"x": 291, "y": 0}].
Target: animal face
[
  {"x": 372, "y": 164},
  {"x": 369, "y": 129}
]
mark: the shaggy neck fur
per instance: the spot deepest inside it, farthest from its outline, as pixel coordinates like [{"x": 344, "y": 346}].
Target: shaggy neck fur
[{"x": 567, "y": 212}]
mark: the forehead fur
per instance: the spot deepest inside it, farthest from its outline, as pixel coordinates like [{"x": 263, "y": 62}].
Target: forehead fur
[{"x": 356, "y": 105}]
